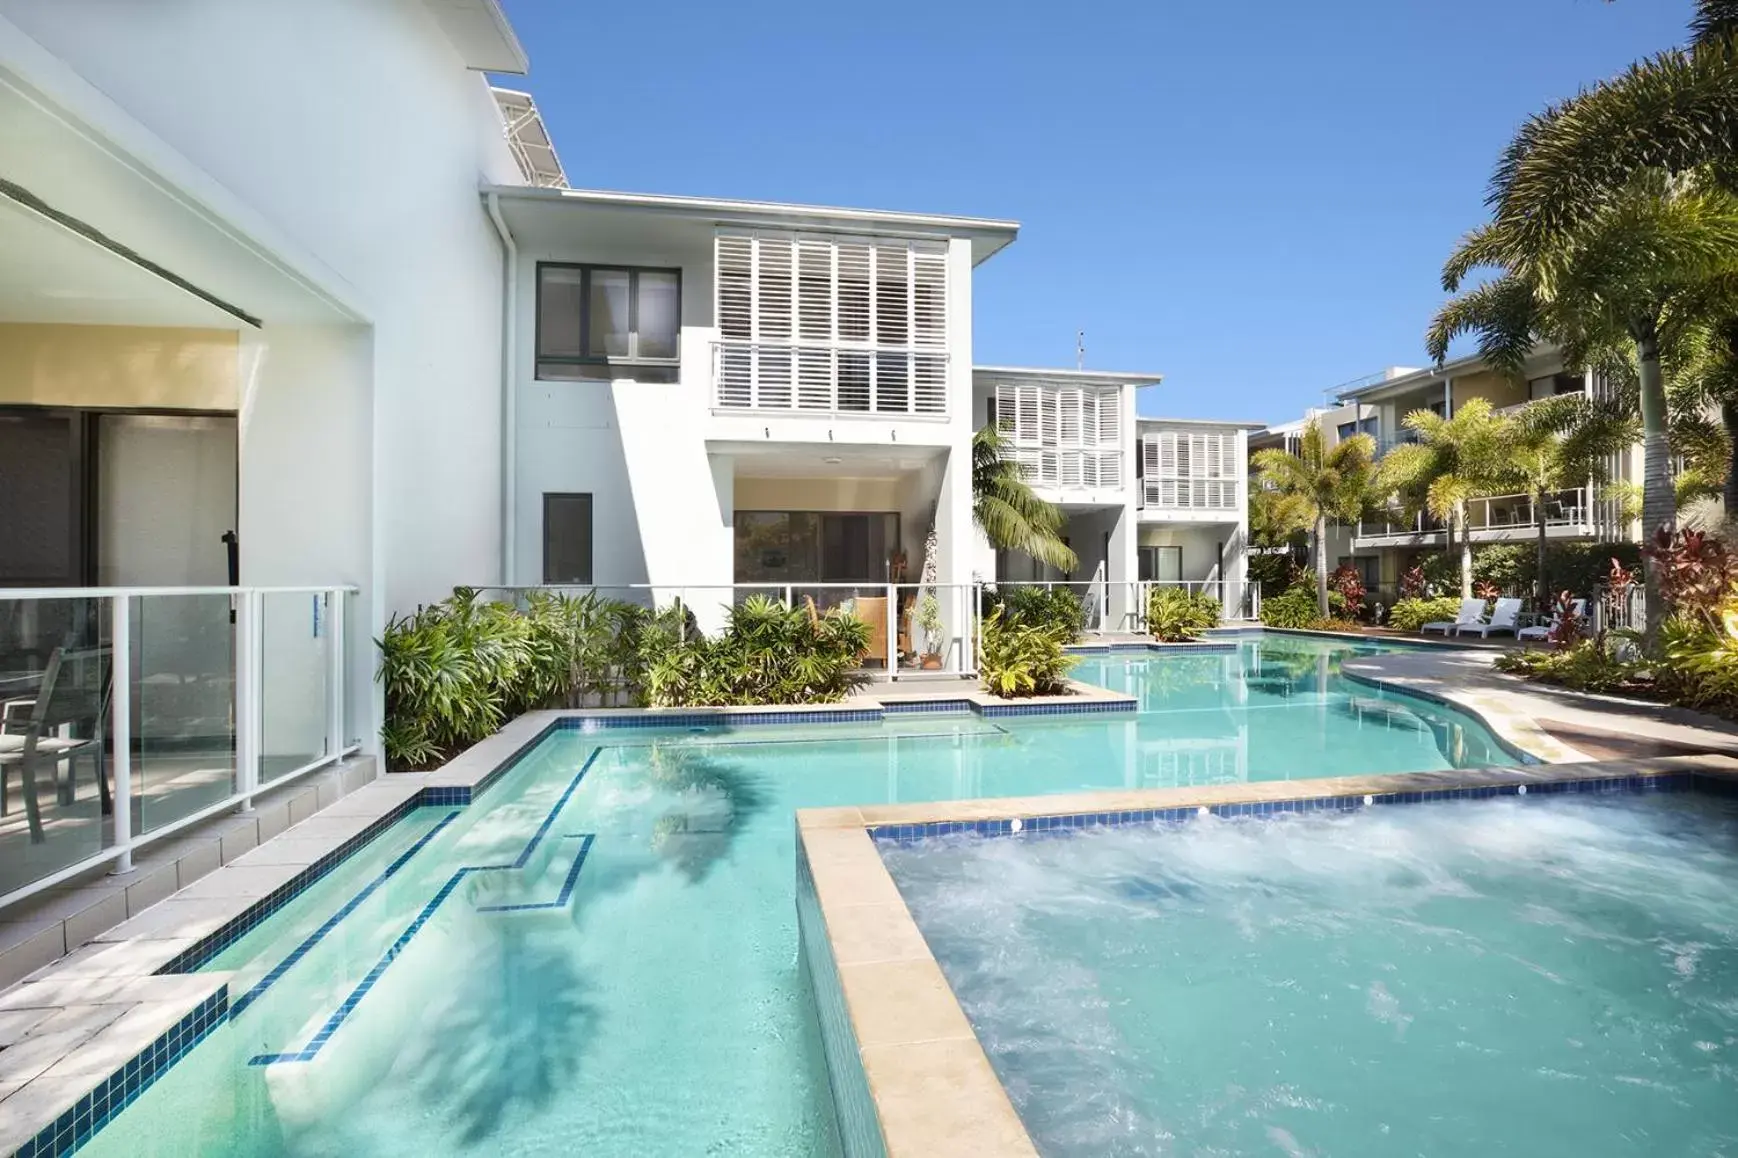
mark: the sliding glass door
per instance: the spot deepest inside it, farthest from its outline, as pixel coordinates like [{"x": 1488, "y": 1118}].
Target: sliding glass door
[{"x": 809, "y": 547}]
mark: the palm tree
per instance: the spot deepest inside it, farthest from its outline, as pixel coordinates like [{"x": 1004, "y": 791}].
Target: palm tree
[
  {"x": 1011, "y": 517},
  {"x": 1454, "y": 460},
  {"x": 1322, "y": 484},
  {"x": 1649, "y": 251},
  {"x": 1634, "y": 168},
  {"x": 1558, "y": 444}
]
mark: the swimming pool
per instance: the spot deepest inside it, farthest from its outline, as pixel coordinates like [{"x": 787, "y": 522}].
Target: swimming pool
[
  {"x": 1554, "y": 976},
  {"x": 601, "y": 954}
]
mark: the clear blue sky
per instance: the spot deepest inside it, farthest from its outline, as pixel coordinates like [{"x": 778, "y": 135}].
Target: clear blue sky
[{"x": 1254, "y": 199}]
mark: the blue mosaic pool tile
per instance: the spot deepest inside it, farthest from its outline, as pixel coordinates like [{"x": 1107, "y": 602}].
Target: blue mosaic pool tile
[
  {"x": 120, "y": 1089},
  {"x": 923, "y": 707},
  {"x": 606, "y": 723},
  {"x": 1090, "y": 707},
  {"x": 1056, "y": 825}
]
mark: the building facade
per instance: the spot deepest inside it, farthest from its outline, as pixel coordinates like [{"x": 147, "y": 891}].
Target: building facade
[{"x": 1382, "y": 547}]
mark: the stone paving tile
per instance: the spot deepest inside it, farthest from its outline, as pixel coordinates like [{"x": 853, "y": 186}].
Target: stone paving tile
[{"x": 35, "y": 1104}]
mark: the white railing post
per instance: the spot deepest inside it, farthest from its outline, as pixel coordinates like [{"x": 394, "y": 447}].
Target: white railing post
[
  {"x": 248, "y": 693},
  {"x": 335, "y": 676},
  {"x": 892, "y": 625},
  {"x": 121, "y": 725}
]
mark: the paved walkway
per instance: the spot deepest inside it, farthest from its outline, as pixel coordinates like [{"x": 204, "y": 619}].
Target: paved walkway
[{"x": 1554, "y": 724}]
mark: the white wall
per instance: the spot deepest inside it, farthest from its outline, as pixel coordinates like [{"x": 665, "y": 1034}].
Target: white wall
[
  {"x": 354, "y": 128},
  {"x": 307, "y": 469}
]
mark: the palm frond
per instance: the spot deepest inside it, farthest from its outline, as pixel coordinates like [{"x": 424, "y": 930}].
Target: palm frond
[{"x": 1503, "y": 313}]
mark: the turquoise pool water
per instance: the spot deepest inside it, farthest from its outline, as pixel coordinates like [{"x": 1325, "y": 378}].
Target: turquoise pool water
[
  {"x": 1541, "y": 977},
  {"x": 617, "y": 972}
]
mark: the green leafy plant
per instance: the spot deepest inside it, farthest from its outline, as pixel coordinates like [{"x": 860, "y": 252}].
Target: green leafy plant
[
  {"x": 1054, "y": 607},
  {"x": 1176, "y": 615},
  {"x": 1023, "y": 659},
  {"x": 1412, "y": 614},
  {"x": 1595, "y": 665},
  {"x": 766, "y": 654},
  {"x": 1297, "y": 609}
]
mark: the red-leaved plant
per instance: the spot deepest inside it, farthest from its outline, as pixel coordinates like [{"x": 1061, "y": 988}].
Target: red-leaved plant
[
  {"x": 1412, "y": 583},
  {"x": 1568, "y": 628},
  {"x": 1696, "y": 573},
  {"x": 1485, "y": 589},
  {"x": 1350, "y": 586}
]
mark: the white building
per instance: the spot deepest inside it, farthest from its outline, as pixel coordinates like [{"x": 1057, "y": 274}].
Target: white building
[
  {"x": 1146, "y": 499},
  {"x": 290, "y": 298}
]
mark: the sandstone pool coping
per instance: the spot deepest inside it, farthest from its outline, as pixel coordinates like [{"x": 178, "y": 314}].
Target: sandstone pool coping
[{"x": 933, "y": 1087}]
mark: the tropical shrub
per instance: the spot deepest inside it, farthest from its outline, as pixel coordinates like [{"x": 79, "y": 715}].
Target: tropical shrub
[
  {"x": 1697, "y": 572},
  {"x": 1699, "y": 662},
  {"x": 1596, "y": 664},
  {"x": 1348, "y": 584},
  {"x": 1176, "y": 615},
  {"x": 1293, "y": 609},
  {"x": 1054, "y": 607},
  {"x": 1568, "y": 627},
  {"x": 456, "y": 670},
  {"x": 1277, "y": 574},
  {"x": 1412, "y": 614},
  {"x": 1024, "y": 659},
  {"x": 1513, "y": 567},
  {"x": 766, "y": 654},
  {"x": 1412, "y": 583}
]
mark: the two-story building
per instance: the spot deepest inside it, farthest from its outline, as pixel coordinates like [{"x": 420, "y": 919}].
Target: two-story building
[
  {"x": 1382, "y": 546},
  {"x": 710, "y": 397}
]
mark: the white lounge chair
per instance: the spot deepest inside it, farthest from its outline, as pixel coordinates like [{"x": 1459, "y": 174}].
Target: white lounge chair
[
  {"x": 1577, "y": 610},
  {"x": 1472, "y": 613},
  {"x": 1504, "y": 617}
]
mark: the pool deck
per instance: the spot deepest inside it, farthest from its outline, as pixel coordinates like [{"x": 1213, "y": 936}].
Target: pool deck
[
  {"x": 1554, "y": 724},
  {"x": 73, "y": 1027},
  {"x": 933, "y": 1087}
]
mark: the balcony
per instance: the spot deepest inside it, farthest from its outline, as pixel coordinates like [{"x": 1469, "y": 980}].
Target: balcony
[
  {"x": 1068, "y": 469},
  {"x": 828, "y": 380},
  {"x": 1498, "y": 518},
  {"x": 1218, "y": 496}
]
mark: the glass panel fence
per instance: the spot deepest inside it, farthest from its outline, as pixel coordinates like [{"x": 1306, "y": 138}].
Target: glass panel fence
[
  {"x": 295, "y": 663},
  {"x": 182, "y": 688},
  {"x": 55, "y": 805}
]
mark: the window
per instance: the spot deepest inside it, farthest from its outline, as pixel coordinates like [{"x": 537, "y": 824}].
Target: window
[
  {"x": 566, "y": 538},
  {"x": 597, "y": 323}
]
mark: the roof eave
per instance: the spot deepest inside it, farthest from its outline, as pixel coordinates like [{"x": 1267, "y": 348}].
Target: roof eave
[
  {"x": 1113, "y": 376},
  {"x": 988, "y": 235},
  {"x": 482, "y": 34}
]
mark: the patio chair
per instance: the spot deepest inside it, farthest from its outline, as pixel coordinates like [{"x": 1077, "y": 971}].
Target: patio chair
[
  {"x": 1505, "y": 616},
  {"x": 1472, "y": 612},
  {"x": 75, "y": 690},
  {"x": 1577, "y": 610}
]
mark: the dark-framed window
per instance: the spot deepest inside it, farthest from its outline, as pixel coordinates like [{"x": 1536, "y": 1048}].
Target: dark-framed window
[
  {"x": 566, "y": 538},
  {"x": 597, "y": 323}
]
